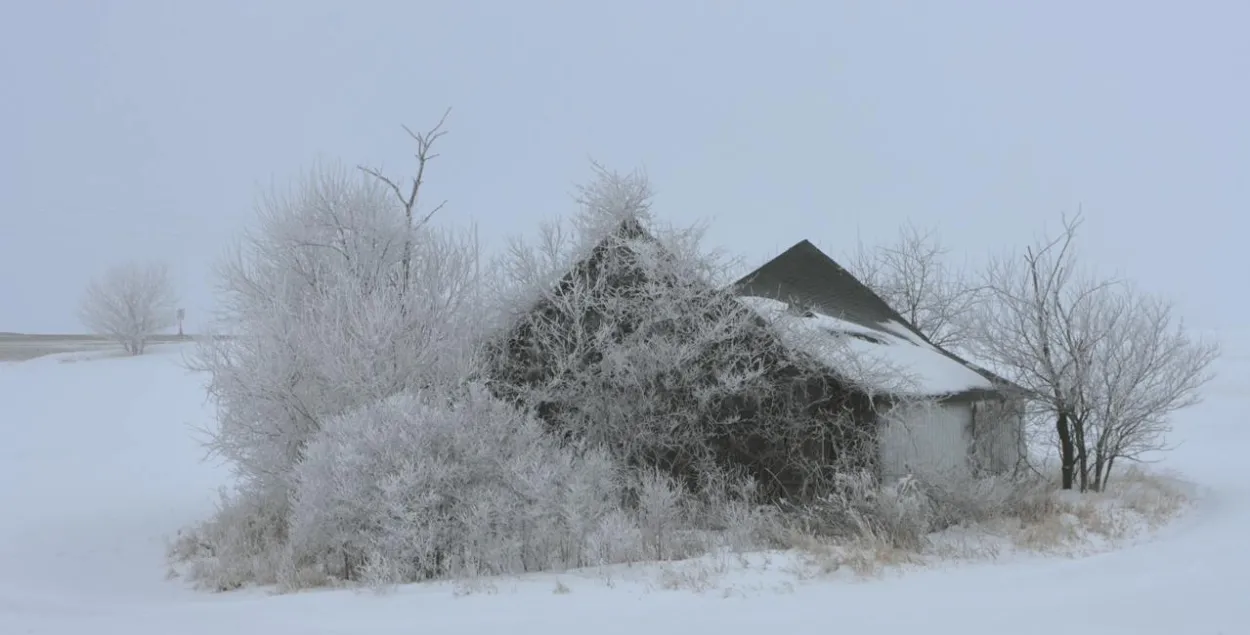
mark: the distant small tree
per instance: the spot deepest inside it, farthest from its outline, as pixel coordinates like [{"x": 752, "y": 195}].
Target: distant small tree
[{"x": 130, "y": 303}]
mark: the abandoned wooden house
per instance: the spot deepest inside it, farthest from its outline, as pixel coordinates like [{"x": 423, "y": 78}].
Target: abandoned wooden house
[
  {"x": 938, "y": 414},
  {"x": 793, "y": 374}
]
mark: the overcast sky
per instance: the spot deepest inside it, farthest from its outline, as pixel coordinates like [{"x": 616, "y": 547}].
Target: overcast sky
[{"x": 136, "y": 129}]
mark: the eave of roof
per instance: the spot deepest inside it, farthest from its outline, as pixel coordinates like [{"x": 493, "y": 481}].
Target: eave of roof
[{"x": 805, "y": 275}]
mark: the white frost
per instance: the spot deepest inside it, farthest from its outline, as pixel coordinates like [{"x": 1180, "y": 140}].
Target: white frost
[{"x": 892, "y": 358}]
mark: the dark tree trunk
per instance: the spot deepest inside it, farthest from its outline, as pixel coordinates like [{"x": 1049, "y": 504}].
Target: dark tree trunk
[
  {"x": 1099, "y": 464},
  {"x": 1082, "y": 452},
  {"x": 1067, "y": 452}
]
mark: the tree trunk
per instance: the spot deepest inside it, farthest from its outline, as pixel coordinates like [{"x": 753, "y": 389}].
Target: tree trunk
[
  {"x": 1102, "y": 461},
  {"x": 1067, "y": 454},
  {"x": 1082, "y": 452},
  {"x": 1099, "y": 462}
]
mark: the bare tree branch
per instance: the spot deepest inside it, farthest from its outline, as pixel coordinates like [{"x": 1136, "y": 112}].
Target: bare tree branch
[
  {"x": 914, "y": 277},
  {"x": 409, "y": 201}
]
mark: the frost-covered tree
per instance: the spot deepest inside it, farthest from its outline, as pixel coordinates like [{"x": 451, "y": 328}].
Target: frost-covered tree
[
  {"x": 130, "y": 303},
  {"x": 1105, "y": 364},
  {"x": 341, "y": 296},
  {"x": 1021, "y": 331},
  {"x": 334, "y": 300}
]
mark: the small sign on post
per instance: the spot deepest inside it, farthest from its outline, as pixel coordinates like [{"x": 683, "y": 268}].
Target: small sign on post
[{"x": 182, "y": 313}]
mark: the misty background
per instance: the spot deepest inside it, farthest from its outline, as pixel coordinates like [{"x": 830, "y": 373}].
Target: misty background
[{"x": 146, "y": 129}]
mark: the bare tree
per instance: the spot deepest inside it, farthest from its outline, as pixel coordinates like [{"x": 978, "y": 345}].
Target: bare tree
[
  {"x": 914, "y": 276},
  {"x": 130, "y": 303},
  {"x": 1103, "y": 363},
  {"x": 1149, "y": 369},
  {"x": 1031, "y": 329},
  {"x": 409, "y": 197}
]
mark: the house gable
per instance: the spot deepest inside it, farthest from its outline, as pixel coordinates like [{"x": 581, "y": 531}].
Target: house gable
[{"x": 813, "y": 284}]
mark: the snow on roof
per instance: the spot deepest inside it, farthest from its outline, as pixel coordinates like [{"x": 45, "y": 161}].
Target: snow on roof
[{"x": 890, "y": 359}]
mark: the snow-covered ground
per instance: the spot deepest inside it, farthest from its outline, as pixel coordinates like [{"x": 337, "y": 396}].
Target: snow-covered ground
[{"x": 99, "y": 465}]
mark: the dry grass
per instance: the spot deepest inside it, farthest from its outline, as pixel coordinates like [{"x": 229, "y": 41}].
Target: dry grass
[
  {"x": 987, "y": 521},
  {"x": 1137, "y": 503},
  {"x": 990, "y": 520},
  {"x": 863, "y": 533},
  {"x": 863, "y": 557}
]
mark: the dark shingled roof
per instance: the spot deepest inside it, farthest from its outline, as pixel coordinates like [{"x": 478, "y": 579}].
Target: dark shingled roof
[{"x": 805, "y": 276}]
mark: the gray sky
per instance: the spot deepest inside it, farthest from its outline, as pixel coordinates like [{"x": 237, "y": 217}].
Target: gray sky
[{"x": 136, "y": 129}]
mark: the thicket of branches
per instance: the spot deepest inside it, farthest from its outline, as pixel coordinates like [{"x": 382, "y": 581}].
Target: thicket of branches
[
  {"x": 640, "y": 350},
  {"x": 130, "y": 303}
]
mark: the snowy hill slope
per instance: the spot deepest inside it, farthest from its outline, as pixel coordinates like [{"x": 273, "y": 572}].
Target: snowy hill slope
[{"x": 99, "y": 466}]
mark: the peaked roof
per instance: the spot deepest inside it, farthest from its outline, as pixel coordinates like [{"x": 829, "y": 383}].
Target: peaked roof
[
  {"x": 806, "y": 276},
  {"x": 625, "y": 237},
  {"x": 617, "y": 240}
]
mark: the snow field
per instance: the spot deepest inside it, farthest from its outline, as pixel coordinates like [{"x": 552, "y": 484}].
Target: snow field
[{"x": 100, "y": 467}]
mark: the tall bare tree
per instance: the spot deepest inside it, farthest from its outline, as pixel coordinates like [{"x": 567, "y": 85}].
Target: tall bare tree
[
  {"x": 1104, "y": 363},
  {"x": 1036, "y": 328},
  {"x": 130, "y": 303},
  {"x": 915, "y": 277}
]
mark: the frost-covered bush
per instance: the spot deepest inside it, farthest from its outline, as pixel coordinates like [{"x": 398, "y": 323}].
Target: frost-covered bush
[
  {"x": 431, "y": 485},
  {"x": 321, "y": 315},
  {"x": 244, "y": 543},
  {"x": 454, "y": 484}
]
